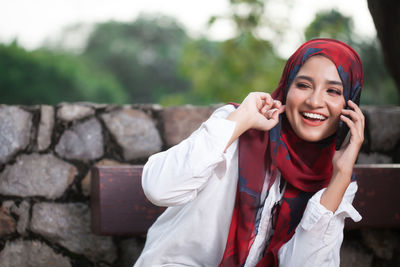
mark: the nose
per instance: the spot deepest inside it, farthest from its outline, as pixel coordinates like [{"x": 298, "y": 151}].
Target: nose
[{"x": 315, "y": 99}]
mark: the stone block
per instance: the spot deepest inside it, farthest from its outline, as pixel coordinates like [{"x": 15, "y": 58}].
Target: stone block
[
  {"x": 45, "y": 127},
  {"x": 180, "y": 122},
  {"x": 131, "y": 249},
  {"x": 15, "y": 131},
  {"x": 373, "y": 158},
  {"x": 134, "y": 131},
  {"x": 69, "y": 226},
  {"x": 7, "y": 222},
  {"x": 382, "y": 242},
  {"x": 20, "y": 253},
  {"x": 352, "y": 254},
  {"x": 384, "y": 127},
  {"x": 71, "y": 112},
  {"x": 22, "y": 211},
  {"x": 37, "y": 175},
  {"x": 84, "y": 141}
]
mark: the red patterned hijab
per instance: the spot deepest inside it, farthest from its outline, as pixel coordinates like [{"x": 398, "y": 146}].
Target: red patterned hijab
[{"x": 305, "y": 166}]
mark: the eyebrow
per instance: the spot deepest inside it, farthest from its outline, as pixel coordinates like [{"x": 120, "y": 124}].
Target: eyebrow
[{"x": 308, "y": 78}]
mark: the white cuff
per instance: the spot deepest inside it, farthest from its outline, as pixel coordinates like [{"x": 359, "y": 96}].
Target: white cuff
[
  {"x": 315, "y": 210},
  {"x": 325, "y": 221}
]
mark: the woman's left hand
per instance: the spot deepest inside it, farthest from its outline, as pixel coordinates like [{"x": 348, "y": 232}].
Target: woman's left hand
[{"x": 345, "y": 158}]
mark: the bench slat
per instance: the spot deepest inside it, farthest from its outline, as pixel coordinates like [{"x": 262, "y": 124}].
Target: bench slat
[{"x": 119, "y": 206}]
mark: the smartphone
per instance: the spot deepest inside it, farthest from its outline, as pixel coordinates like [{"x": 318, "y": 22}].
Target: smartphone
[{"x": 343, "y": 129}]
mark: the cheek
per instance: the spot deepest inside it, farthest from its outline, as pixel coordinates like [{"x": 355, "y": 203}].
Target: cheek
[
  {"x": 290, "y": 98},
  {"x": 336, "y": 108},
  {"x": 289, "y": 105},
  {"x": 294, "y": 99}
]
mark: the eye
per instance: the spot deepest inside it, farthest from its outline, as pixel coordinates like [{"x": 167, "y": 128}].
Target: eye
[
  {"x": 302, "y": 85},
  {"x": 335, "y": 91}
]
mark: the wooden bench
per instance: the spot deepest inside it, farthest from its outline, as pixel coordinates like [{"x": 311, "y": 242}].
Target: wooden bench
[{"x": 119, "y": 206}]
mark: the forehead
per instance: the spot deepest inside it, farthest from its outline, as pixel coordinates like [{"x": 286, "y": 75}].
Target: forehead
[{"x": 319, "y": 66}]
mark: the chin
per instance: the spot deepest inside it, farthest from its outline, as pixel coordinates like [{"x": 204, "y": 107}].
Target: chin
[{"x": 316, "y": 137}]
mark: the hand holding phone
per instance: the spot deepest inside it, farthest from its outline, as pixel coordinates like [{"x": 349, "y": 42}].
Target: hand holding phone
[{"x": 343, "y": 129}]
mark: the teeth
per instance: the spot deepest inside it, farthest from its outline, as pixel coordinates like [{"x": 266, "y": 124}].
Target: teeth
[{"x": 314, "y": 116}]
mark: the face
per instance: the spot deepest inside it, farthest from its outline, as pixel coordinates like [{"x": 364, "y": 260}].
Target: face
[{"x": 315, "y": 100}]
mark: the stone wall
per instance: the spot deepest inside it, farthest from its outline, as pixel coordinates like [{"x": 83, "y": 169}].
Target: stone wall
[{"x": 46, "y": 153}]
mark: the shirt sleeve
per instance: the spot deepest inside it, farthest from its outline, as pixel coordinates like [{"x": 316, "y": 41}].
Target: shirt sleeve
[
  {"x": 319, "y": 235},
  {"x": 174, "y": 177}
]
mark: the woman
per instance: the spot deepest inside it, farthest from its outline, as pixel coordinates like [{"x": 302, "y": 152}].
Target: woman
[{"x": 262, "y": 184}]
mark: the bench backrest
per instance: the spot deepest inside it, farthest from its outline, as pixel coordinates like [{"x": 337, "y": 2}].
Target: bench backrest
[{"x": 119, "y": 206}]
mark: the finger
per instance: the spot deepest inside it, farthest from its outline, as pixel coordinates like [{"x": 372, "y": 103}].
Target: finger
[
  {"x": 356, "y": 118},
  {"x": 353, "y": 129},
  {"x": 272, "y": 120},
  {"x": 262, "y": 105},
  {"x": 270, "y": 113},
  {"x": 357, "y": 110},
  {"x": 264, "y": 96},
  {"x": 264, "y": 101},
  {"x": 276, "y": 104}
]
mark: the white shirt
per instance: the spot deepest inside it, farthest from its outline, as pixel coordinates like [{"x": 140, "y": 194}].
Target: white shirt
[{"x": 197, "y": 181}]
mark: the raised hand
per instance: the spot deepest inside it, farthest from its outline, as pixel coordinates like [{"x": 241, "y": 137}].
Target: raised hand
[
  {"x": 345, "y": 158},
  {"x": 257, "y": 111}
]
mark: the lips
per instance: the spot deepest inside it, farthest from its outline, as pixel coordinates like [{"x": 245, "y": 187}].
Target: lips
[
  {"x": 313, "y": 116},
  {"x": 313, "y": 119}
]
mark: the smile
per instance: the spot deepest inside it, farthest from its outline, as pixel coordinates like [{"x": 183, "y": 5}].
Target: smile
[{"x": 313, "y": 116}]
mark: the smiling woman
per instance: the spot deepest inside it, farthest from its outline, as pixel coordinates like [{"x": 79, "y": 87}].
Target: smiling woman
[{"x": 260, "y": 183}]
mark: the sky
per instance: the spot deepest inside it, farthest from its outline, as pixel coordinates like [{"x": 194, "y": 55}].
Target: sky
[{"x": 33, "y": 22}]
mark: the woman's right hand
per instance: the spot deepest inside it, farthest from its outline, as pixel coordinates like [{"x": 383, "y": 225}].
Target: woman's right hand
[{"x": 257, "y": 111}]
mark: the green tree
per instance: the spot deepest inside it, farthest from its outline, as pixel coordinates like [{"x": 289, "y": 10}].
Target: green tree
[
  {"x": 379, "y": 87},
  {"x": 143, "y": 55},
  {"x": 45, "y": 77},
  {"x": 229, "y": 70},
  {"x": 247, "y": 15},
  {"x": 331, "y": 24}
]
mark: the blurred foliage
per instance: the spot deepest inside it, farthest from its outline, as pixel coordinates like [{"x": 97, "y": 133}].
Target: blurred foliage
[
  {"x": 143, "y": 55},
  {"x": 379, "y": 87},
  {"x": 152, "y": 59},
  {"x": 331, "y": 24},
  {"x": 227, "y": 71},
  {"x": 247, "y": 15},
  {"x": 44, "y": 77}
]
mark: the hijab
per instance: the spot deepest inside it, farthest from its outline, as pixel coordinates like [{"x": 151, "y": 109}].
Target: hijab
[{"x": 305, "y": 167}]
